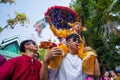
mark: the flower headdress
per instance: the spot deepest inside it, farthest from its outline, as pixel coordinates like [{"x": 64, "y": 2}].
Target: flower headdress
[{"x": 61, "y": 15}]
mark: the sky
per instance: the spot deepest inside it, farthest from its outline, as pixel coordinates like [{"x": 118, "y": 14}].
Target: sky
[{"x": 34, "y": 9}]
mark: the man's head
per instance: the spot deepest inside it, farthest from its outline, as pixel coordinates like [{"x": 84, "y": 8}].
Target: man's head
[
  {"x": 73, "y": 41},
  {"x": 30, "y": 44}
]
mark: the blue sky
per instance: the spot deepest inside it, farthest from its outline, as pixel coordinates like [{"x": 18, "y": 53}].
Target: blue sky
[{"x": 35, "y": 10}]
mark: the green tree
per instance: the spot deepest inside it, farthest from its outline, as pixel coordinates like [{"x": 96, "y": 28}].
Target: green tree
[
  {"x": 20, "y": 18},
  {"x": 101, "y": 18}
]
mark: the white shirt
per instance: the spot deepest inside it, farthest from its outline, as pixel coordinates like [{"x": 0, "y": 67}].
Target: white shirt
[{"x": 70, "y": 68}]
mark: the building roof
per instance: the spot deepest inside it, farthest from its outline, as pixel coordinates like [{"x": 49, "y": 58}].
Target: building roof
[
  {"x": 10, "y": 40},
  {"x": 10, "y": 47}
]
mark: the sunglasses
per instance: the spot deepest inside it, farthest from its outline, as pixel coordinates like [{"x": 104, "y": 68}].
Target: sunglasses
[{"x": 76, "y": 39}]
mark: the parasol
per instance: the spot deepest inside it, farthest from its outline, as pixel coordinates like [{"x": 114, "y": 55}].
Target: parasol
[{"x": 61, "y": 15}]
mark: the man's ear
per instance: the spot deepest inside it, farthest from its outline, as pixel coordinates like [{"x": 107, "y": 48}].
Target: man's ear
[{"x": 67, "y": 42}]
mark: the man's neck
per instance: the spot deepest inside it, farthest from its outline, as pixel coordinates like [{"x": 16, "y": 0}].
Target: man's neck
[
  {"x": 74, "y": 52},
  {"x": 29, "y": 53}
]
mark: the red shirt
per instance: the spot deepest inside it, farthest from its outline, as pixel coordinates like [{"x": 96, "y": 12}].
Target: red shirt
[
  {"x": 20, "y": 68},
  {"x": 2, "y": 59}
]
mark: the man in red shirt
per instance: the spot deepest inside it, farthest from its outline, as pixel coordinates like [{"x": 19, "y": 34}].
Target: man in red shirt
[{"x": 25, "y": 67}]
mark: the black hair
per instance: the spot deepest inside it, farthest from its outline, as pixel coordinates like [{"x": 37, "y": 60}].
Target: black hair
[
  {"x": 73, "y": 35},
  {"x": 116, "y": 72},
  {"x": 22, "y": 44}
]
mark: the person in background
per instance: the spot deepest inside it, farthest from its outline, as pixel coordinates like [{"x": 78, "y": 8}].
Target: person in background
[
  {"x": 114, "y": 75},
  {"x": 2, "y": 59},
  {"x": 118, "y": 72},
  {"x": 106, "y": 76},
  {"x": 25, "y": 67}
]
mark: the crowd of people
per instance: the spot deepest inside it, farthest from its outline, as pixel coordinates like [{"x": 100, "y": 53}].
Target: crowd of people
[
  {"x": 111, "y": 75},
  {"x": 70, "y": 60}
]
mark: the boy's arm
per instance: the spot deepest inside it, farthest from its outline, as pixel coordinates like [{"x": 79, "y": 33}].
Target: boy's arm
[{"x": 58, "y": 33}]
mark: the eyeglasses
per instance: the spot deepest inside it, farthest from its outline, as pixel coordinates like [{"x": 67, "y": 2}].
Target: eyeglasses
[{"x": 76, "y": 39}]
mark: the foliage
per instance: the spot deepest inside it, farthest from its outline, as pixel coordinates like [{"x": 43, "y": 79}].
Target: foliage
[
  {"x": 100, "y": 18},
  {"x": 10, "y": 22},
  {"x": 7, "y": 1},
  {"x": 1, "y": 29},
  {"x": 42, "y": 52},
  {"x": 20, "y": 18}
]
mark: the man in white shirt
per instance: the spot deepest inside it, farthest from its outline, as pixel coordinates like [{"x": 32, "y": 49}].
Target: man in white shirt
[{"x": 71, "y": 65}]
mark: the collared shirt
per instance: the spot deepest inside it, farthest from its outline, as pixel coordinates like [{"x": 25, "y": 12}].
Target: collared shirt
[{"x": 20, "y": 68}]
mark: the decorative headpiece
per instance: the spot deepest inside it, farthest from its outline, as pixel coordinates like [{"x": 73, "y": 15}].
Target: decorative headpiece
[
  {"x": 47, "y": 44},
  {"x": 61, "y": 16}
]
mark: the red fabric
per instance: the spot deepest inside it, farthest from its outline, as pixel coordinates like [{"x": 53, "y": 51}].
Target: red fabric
[
  {"x": 2, "y": 59},
  {"x": 20, "y": 68}
]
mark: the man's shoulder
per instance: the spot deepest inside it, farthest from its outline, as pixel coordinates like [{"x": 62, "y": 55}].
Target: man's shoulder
[{"x": 15, "y": 59}]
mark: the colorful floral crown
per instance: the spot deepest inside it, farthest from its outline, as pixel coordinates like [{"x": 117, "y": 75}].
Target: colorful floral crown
[{"x": 61, "y": 15}]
